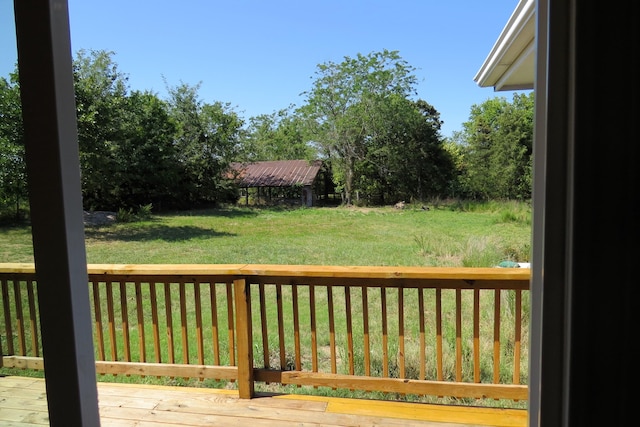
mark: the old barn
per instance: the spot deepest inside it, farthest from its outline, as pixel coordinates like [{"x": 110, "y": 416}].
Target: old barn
[{"x": 283, "y": 181}]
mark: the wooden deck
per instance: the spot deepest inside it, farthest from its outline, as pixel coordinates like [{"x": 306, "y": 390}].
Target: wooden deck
[{"x": 23, "y": 403}]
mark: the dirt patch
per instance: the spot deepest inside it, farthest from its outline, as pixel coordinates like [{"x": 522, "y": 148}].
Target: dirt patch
[{"x": 98, "y": 218}]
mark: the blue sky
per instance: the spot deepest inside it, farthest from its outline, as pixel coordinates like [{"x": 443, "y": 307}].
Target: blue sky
[{"x": 259, "y": 56}]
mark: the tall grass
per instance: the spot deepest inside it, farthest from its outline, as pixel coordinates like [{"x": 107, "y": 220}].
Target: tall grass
[{"x": 453, "y": 234}]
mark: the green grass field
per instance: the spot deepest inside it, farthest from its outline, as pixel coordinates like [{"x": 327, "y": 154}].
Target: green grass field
[{"x": 448, "y": 234}]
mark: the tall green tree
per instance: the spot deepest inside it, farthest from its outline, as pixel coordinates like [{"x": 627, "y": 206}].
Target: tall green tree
[
  {"x": 135, "y": 148},
  {"x": 207, "y": 139},
  {"x": 403, "y": 155},
  {"x": 497, "y": 146},
  {"x": 344, "y": 103},
  {"x": 13, "y": 180},
  {"x": 280, "y": 135},
  {"x": 101, "y": 104},
  {"x": 146, "y": 170},
  {"x": 419, "y": 167}
]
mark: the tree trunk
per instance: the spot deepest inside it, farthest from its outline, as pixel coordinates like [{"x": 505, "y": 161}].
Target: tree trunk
[{"x": 348, "y": 181}]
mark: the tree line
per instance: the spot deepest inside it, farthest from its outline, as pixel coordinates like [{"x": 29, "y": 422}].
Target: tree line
[{"x": 360, "y": 116}]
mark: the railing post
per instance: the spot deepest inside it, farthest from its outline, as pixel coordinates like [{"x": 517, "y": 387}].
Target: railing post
[{"x": 242, "y": 291}]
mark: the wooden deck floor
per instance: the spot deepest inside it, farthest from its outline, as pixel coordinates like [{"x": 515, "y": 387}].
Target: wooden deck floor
[{"x": 23, "y": 403}]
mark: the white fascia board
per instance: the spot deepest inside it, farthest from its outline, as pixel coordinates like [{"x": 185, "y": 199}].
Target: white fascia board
[
  {"x": 514, "y": 49},
  {"x": 520, "y": 75}
]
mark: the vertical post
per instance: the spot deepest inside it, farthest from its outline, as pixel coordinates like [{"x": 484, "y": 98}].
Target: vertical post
[
  {"x": 242, "y": 291},
  {"x": 553, "y": 121},
  {"x": 53, "y": 171},
  {"x": 573, "y": 245}
]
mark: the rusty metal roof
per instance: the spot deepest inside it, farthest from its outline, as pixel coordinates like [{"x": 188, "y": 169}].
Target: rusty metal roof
[{"x": 281, "y": 173}]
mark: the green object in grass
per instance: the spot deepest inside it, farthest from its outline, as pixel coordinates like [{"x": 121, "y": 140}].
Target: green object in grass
[{"x": 508, "y": 264}]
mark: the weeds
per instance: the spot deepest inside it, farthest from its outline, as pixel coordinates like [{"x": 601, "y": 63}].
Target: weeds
[{"x": 143, "y": 213}]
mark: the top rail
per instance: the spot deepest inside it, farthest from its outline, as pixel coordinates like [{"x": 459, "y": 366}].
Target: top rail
[{"x": 451, "y": 277}]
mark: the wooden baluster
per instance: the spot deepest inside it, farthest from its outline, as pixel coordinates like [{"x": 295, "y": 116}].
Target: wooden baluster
[
  {"x": 17, "y": 294},
  {"x": 423, "y": 342},
  {"x": 215, "y": 335},
  {"x": 169, "y": 319},
  {"x": 33, "y": 322},
  {"x": 199, "y": 333},
  {"x": 184, "y": 330},
  {"x": 296, "y": 328},
  {"x": 332, "y": 331},
  {"x": 402, "y": 369},
  {"x": 365, "y": 330},
  {"x": 385, "y": 337},
  {"x": 1, "y": 350},
  {"x": 518, "y": 337},
  {"x": 458, "y": 335},
  {"x": 265, "y": 328},
  {"x": 439, "y": 356},
  {"x": 214, "y": 324},
  {"x": 124, "y": 311},
  {"x": 314, "y": 338},
  {"x": 6, "y": 304},
  {"x": 283, "y": 355},
  {"x": 230, "y": 317},
  {"x": 155, "y": 322},
  {"x": 97, "y": 310},
  {"x": 112, "y": 322},
  {"x": 476, "y": 335},
  {"x": 347, "y": 303},
  {"x": 140, "y": 314},
  {"x": 1, "y": 353},
  {"x": 496, "y": 337}
]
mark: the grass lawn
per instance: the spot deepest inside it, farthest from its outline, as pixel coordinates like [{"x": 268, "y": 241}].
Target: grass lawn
[{"x": 469, "y": 235}]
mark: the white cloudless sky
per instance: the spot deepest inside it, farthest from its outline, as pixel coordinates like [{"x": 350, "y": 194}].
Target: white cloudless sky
[{"x": 260, "y": 55}]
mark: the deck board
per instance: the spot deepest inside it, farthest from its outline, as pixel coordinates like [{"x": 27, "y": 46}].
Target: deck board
[{"x": 23, "y": 404}]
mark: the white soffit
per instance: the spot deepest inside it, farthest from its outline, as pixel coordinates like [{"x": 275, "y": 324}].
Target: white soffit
[{"x": 511, "y": 63}]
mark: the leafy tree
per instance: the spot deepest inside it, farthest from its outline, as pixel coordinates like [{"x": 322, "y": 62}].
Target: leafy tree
[
  {"x": 13, "y": 180},
  {"x": 207, "y": 139},
  {"x": 497, "y": 145},
  {"x": 101, "y": 102},
  {"x": 146, "y": 171},
  {"x": 457, "y": 184},
  {"x": 277, "y": 136},
  {"x": 425, "y": 169},
  {"x": 344, "y": 103},
  {"x": 406, "y": 159}
]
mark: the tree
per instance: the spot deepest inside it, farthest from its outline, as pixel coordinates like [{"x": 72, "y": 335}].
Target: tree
[
  {"x": 13, "y": 179},
  {"x": 101, "y": 102},
  {"x": 422, "y": 167},
  {"x": 135, "y": 149},
  {"x": 146, "y": 171},
  {"x": 344, "y": 103},
  {"x": 207, "y": 139},
  {"x": 497, "y": 148},
  {"x": 280, "y": 135},
  {"x": 405, "y": 156}
]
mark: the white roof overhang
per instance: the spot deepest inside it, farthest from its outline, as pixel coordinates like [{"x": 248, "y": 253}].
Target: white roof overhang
[{"x": 511, "y": 63}]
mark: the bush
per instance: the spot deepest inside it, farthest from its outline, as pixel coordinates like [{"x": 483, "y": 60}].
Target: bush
[{"x": 128, "y": 215}]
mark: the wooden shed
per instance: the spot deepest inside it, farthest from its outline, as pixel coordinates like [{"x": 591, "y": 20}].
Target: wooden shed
[{"x": 280, "y": 179}]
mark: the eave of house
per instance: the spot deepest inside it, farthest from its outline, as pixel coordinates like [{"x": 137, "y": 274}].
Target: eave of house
[{"x": 511, "y": 63}]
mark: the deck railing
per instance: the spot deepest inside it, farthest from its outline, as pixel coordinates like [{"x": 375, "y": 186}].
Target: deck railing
[{"x": 459, "y": 332}]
